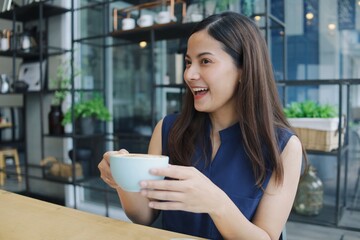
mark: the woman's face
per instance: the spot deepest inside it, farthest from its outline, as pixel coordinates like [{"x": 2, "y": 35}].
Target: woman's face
[{"x": 211, "y": 74}]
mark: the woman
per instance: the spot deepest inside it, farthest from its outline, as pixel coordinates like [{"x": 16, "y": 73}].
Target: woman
[{"x": 235, "y": 162}]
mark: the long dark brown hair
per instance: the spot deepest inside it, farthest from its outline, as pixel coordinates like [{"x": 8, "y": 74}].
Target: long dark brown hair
[{"x": 258, "y": 106}]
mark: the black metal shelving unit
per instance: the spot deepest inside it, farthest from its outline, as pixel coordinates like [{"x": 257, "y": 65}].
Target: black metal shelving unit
[
  {"x": 93, "y": 183},
  {"x": 32, "y": 12},
  {"x": 330, "y": 215},
  {"x": 160, "y": 31},
  {"x": 39, "y": 12},
  {"x": 118, "y": 39}
]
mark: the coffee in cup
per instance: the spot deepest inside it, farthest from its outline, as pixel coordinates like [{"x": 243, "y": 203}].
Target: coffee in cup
[{"x": 128, "y": 170}]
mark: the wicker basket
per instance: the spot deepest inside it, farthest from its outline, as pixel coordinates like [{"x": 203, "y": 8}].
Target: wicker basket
[
  {"x": 317, "y": 133},
  {"x": 319, "y": 140}
]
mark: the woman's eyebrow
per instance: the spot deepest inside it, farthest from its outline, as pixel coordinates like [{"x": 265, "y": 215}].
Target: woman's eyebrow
[{"x": 200, "y": 54}]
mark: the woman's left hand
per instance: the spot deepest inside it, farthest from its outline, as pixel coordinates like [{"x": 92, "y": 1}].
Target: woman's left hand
[{"x": 188, "y": 190}]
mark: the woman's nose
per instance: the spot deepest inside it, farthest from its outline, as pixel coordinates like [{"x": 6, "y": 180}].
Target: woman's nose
[{"x": 191, "y": 73}]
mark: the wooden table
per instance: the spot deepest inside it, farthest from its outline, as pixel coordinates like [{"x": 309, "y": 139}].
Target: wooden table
[{"x": 27, "y": 218}]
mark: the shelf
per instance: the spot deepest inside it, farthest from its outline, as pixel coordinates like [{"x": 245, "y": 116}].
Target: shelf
[
  {"x": 56, "y": 179},
  {"x": 32, "y": 12},
  {"x": 327, "y": 217},
  {"x": 161, "y": 32},
  {"x": 35, "y": 53},
  {"x": 310, "y": 82},
  {"x": 344, "y": 148},
  {"x": 166, "y": 31},
  {"x": 19, "y": 144},
  {"x": 5, "y": 125},
  {"x": 87, "y": 90},
  {"x": 126, "y": 12},
  {"x": 43, "y": 174},
  {"x": 52, "y": 91},
  {"x": 107, "y": 136},
  {"x": 75, "y": 136},
  {"x": 134, "y": 2},
  {"x": 170, "y": 86},
  {"x": 330, "y": 215},
  {"x": 131, "y": 135},
  {"x": 11, "y": 93},
  {"x": 94, "y": 183}
]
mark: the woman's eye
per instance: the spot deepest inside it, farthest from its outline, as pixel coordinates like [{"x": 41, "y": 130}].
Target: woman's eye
[
  {"x": 187, "y": 62},
  {"x": 205, "y": 61}
]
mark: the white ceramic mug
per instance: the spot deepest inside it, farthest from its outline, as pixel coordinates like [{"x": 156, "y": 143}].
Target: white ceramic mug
[
  {"x": 163, "y": 17},
  {"x": 128, "y": 23},
  {"x": 128, "y": 170},
  {"x": 145, "y": 20}
]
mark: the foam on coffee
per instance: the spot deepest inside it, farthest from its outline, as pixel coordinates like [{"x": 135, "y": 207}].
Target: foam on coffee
[{"x": 142, "y": 155}]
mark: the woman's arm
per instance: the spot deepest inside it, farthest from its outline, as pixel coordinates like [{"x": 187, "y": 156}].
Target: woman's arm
[
  {"x": 194, "y": 192},
  {"x": 134, "y": 204},
  {"x": 275, "y": 205}
]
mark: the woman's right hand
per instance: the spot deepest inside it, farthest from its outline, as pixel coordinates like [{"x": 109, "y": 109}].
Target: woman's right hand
[{"x": 104, "y": 167}]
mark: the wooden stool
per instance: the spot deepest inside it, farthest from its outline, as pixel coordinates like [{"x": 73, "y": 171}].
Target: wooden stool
[{"x": 9, "y": 152}]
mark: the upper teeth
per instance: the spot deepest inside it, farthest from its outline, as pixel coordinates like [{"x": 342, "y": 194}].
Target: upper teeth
[{"x": 199, "y": 89}]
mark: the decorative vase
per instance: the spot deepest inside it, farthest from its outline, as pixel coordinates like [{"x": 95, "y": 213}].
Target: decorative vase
[
  {"x": 55, "y": 117},
  {"x": 85, "y": 126},
  {"x": 310, "y": 193}
]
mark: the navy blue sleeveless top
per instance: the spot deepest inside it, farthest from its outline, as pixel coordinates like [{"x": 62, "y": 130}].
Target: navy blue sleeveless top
[{"x": 230, "y": 170}]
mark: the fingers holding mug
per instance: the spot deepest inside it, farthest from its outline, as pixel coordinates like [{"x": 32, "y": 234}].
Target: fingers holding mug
[
  {"x": 104, "y": 167},
  {"x": 107, "y": 154},
  {"x": 105, "y": 174}
]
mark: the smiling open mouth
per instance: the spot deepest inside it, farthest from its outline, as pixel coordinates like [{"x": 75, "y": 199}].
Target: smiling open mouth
[{"x": 199, "y": 91}]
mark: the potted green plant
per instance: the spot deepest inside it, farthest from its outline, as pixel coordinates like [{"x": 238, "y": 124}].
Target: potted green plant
[
  {"x": 310, "y": 109},
  {"x": 87, "y": 115},
  {"x": 316, "y": 124},
  {"x": 61, "y": 84}
]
